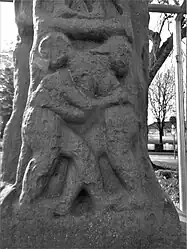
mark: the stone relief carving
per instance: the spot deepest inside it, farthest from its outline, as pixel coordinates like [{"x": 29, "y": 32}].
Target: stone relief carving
[
  {"x": 81, "y": 80},
  {"x": 84, "y": 126}
]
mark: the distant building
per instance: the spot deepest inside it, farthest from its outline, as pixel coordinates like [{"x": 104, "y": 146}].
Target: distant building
[{"x": 153, "y": 129}]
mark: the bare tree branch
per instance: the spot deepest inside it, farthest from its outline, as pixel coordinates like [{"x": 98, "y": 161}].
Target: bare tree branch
[{"x": 162, "y": 54}]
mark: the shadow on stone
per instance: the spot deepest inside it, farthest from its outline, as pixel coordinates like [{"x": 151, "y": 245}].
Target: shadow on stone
[{"x": 83, "y": 204}]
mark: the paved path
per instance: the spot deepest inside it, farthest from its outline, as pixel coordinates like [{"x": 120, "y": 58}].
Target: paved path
[{"x": 164, "y": 160}]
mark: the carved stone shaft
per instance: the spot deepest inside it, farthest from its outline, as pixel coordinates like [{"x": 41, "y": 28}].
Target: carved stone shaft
[{"x": 84, "y": 178}]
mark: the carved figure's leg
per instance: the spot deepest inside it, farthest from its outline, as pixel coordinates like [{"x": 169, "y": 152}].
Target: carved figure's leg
[
  {"x": 24, "y": 158},
  {"x": 37, "y": 174},
  {"x": 75, "y": 146},
  {"x": 16, "y": 187},
  {"x": 87, "y": 171},
  {"x": 121, "y": 128},
  {"x": 71, "y": 189},
  {"x": 41, "y": 133}
]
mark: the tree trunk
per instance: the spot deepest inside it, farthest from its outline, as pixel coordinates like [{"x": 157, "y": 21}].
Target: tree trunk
[
  {"x": 162, "y": 54},
  {"x": 160, "y": 145},
  {"x": 160, "y": 135}
]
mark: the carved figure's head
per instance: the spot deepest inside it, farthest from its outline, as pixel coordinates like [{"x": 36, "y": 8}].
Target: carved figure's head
[{"x": 54, "y": 46}]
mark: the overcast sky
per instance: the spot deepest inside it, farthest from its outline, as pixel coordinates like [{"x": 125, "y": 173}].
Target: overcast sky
[{"x": 8, "y": 28}]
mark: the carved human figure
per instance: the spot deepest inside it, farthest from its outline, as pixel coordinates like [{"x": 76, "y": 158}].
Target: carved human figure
[
  {"x": 115, "y": 134},
  {"x": 51, "y": 104},
  {"x": 46, "y": 134}
]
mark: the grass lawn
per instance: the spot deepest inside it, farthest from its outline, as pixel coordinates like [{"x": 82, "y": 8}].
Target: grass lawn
[{"x": 170, "y": 183}]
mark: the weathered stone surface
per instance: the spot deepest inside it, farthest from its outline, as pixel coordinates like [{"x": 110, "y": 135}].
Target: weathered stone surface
[{"x": 84, "y": 179}]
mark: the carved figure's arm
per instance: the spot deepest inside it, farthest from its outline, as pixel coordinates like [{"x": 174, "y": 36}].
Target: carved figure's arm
[
  {"x": 74, "y": 95},
  {"x": 46, "y": 99},
  {"x": 67, "y": 112},
  {"x": 62, "y": 83},
  {"x": 79, "y": 99},
  {"x": 71, "y": 93},
  {"x": 117, "y": 96},
  {"x": 79, "y": 25}
]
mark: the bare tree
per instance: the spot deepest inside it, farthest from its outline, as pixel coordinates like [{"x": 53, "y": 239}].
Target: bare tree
[
  {"x": 6, "y": 96},
  {"x": 161, "y": 99},
  {"x": 162, "y": 49}
]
